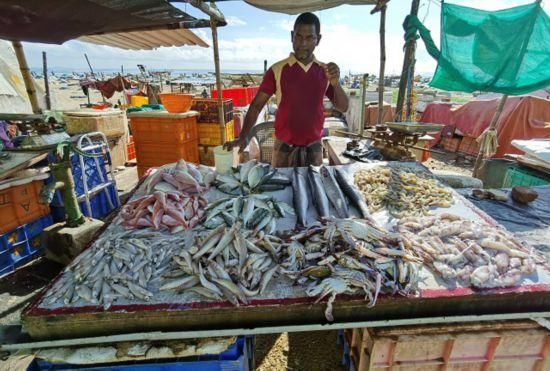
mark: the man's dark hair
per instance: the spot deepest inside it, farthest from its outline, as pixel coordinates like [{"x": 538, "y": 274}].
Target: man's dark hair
[{"x": 308, "y": 18}]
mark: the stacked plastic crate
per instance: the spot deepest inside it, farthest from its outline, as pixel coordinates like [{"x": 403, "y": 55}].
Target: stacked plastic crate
[
  {"x": 209, "y": 131},
  {"x": 103, "y": 192},
  {"x": 22, "y": 220},
  {"x": 161, "y": 137}
]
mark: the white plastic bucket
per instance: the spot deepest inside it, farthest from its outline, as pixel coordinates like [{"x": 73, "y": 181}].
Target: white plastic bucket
[{"x": 223, "y": 160}]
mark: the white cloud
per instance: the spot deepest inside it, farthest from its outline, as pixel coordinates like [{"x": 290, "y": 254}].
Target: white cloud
[
  {"x": 234, "y": 21},
  {"x": 285, "y": 24}
]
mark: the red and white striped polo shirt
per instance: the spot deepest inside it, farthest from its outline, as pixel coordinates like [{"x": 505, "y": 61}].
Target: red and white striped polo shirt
[{"x": 300, "y": 91}]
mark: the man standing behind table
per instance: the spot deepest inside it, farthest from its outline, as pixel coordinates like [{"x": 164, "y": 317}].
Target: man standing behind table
[{"x": 299, "y": 82}]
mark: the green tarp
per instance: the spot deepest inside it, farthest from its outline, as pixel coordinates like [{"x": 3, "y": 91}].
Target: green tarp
[{"x": 506, "y": 51}]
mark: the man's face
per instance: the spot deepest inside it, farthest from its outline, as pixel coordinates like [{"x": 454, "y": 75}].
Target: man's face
[{"x": 304, "y": 41}]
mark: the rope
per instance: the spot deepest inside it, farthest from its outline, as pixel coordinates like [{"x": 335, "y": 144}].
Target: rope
[{"x": 488, "y": 142}]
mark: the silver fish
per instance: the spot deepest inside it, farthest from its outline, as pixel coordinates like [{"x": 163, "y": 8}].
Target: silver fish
[
  {"x": 320, "y": 199},
  {"x": 300, "y": 196},
  {"x": 334, "y": 193},
  {"x": 352, "y": 193}
]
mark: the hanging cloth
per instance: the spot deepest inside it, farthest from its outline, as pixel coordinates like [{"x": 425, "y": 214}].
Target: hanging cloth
[{"x": 506, "y": 51}]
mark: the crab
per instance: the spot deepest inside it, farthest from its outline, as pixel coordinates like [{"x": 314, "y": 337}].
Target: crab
[{"x": 329, "y": 286}]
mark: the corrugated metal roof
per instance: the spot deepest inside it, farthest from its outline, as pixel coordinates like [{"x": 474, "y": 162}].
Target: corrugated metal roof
[{"x": 146, "y": 40}]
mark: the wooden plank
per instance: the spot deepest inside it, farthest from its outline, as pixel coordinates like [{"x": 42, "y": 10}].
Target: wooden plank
[
  {"x": 20, "y": 161},
  {"x": 335, "y": 146}
]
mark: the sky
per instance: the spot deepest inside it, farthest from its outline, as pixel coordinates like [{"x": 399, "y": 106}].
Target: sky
[{"x": 350, "y": 38}]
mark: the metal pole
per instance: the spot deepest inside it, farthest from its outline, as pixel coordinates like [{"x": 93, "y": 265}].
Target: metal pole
[
  {"x": 46, "y": 82},
  {"x": 492, "y": 125},
  {"x": 409, "y": 56},
  {"x": 382, "y": 63},
  {"x": 221, "y": 117},
  {"x": 27, "y": 78}
]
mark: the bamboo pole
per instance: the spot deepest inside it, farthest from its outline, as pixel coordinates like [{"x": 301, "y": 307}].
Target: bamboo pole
[
  {"x": 26, "y": 73},
  {"x": 479, "y": 160},
  {"x": 46, "y": 81},
  {"x": 221, "y": 117},
  {"x": 409, "y": 57},
  {"x": 382, "y": 63},
  {"x": 363, "y": 98}
]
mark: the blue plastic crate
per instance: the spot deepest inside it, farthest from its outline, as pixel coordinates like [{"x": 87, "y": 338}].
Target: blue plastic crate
[
  {"x": 98, "y": 203},
  {"x": 238, "y": 357},
  {"x": 93, "y": 176},
  {"x": 22, "y": 245}
]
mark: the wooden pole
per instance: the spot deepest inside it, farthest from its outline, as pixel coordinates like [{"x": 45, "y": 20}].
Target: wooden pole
[
  {"x": 27, "y": 78},
  {"x": 407, "y": 60},
  {"x": 46, "y": 81},
  {"x": 221, "y": 116},
  {"x": 93, "y": 77},
  {"x": 363, "y": 98},
  {"x": 492, "y": 125},
  {"x": 382, "y": 64}
]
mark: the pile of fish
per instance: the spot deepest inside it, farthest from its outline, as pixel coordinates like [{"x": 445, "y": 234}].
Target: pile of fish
[
  {"x": 350, "y": 256},
  {"x": 328, "y": 187},
  {"x": 225, "y": 263},
  {"x": 173, "y": 211},
  {"x": 403, "y": 192},
  {"x": 129, "y": 264},
  {"x": 180, "y": 177},
  {"x": 472, "y": 253},
  {"x": 251, "y": 177},
  {"x": 258, "y": 212}
]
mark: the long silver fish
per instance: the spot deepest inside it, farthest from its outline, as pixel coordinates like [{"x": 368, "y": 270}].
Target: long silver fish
[
  {"x": 301, "y": 200},
  {"x": 320, "y": 198},
  {"x": 334, "y": 193},
  {"x": 352, "y": 193}
]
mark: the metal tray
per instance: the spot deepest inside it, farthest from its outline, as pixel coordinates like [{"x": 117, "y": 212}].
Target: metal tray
[{"x": 415, "y": 127}]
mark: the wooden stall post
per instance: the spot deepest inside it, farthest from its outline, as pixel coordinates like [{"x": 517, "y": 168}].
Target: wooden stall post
[
  {"x": 363, "y": 98},
  {"x": 381, "y": 6},
  {"x": 27, "y": 78},
  {"x": 46, "y": 81},
  {"x": 221, "y": 117},
  {"x": 489, "y": 132},
  {"x": 410, "y": 47}
]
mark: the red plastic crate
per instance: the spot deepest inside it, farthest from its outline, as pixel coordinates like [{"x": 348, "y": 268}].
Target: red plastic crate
[
  {"x": 239, "y": 96},
  {"x": 451, "y": 144},
  {"x": 469, "y": 146},
  {"x": 130, "y": 149}
]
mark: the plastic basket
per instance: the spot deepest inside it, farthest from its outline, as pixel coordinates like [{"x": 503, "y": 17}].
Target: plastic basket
[
  {"x": 154, "y": 155},
  {"x": 451, "y": 144},
  {"x": 138, "y": 100},
  {"x": 130, "y": 149},
  {"x": 469, "y": 146},
  {"x": 20, "y": 204},
  {"x": 210, "y": 134},
  {"x": 238, "y": 357},
  {"x": 22, "y": 244},
  {"x": 99, "y": 204},
  {"x": 520, "y": 176},
  {"x": 163, "y": 128},
  {"x": 206, "y": 155},
  {"x": 176, "y": 102}
]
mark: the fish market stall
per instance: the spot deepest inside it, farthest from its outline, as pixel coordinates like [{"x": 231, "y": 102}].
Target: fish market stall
[{"x": 223, "y": 252}]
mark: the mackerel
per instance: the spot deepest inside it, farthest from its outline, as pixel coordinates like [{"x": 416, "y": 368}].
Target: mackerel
[{"x": 301, "y": 201}]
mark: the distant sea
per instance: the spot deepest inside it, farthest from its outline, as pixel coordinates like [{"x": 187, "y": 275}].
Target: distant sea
[{"x": 174, "y": 72}]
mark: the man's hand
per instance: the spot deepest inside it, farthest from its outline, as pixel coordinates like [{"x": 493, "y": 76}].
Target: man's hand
[
  {"x": 332, "y": 72},
  {"x": 239, "y": 142}
]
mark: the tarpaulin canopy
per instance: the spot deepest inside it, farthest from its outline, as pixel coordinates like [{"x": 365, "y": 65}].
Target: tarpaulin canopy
[
  {"x": 146, "y": 40},
  {"x": 300, "y": 6},
  {"x": 57, "y": 21},
  {"x": 506, "y": 51},
  {"x": 521, "y": 118}
]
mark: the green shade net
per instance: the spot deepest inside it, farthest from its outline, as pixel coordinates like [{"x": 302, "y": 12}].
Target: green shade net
[{"x": 506, "y": 51}]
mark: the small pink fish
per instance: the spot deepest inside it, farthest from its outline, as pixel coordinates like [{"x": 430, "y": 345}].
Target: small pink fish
[
  {"x": 143, "y": 222},
  {"x": 161, "y": 197},
  {"x": 170, "y": 179},
  {"x": 169, "y": 221}
]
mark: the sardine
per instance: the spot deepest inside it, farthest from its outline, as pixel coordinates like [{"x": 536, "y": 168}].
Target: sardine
[
  {"x": 320, "y": 199},
  {"x": 352, "y": 193},
  {"x": 300, "y": 197},
  {"x": 334, "y": 193}
]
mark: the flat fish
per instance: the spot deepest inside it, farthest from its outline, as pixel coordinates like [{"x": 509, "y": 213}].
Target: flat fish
[
  {"x": 334, "y": 193},
  {"x": 320, "y": 198},
  {"x": 352, "y": 193},
  {"x": 301, "y": 200}
]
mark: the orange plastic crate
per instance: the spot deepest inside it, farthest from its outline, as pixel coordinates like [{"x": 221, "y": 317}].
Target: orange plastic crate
[
  {"x": 469, "y": 146},
  {"x": 130, "y": 149},
  {"x": 19, "y": 205},
  {"x": 158, "y": 154},
  {"x": 211, "y": 134},
  {"x": 167, "y": 129}
]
